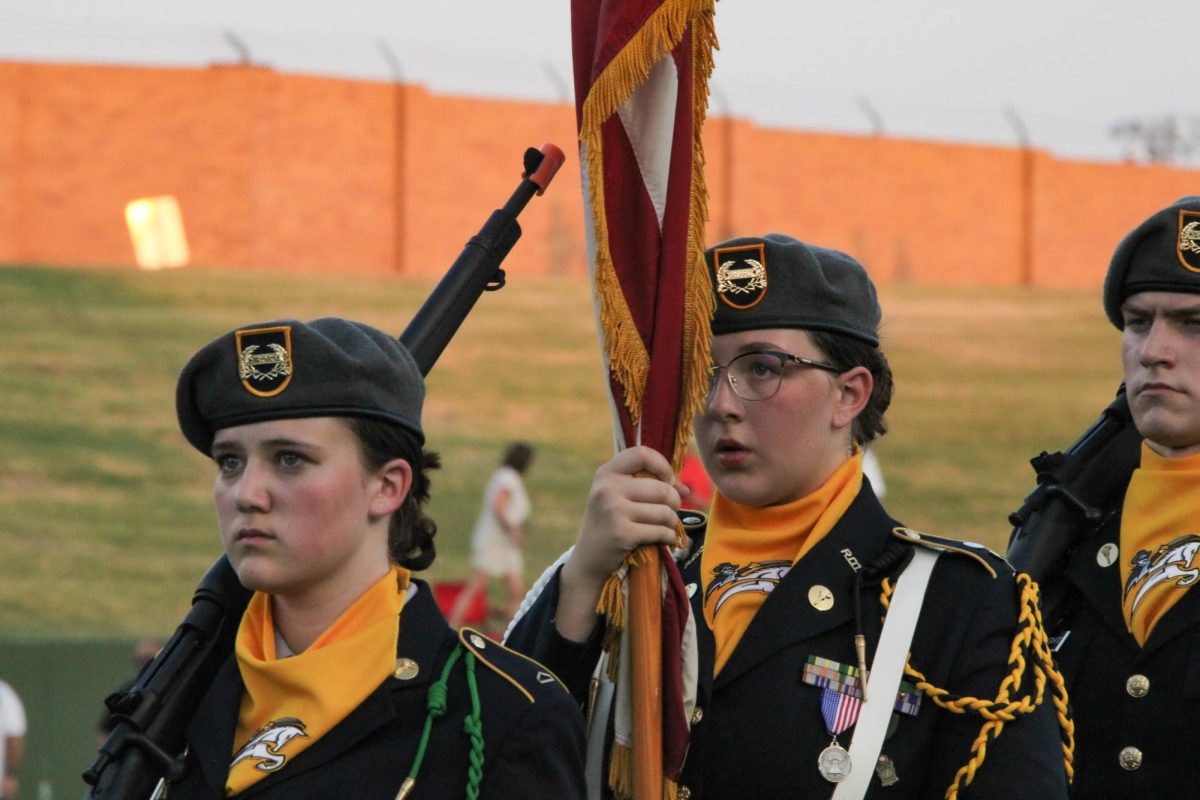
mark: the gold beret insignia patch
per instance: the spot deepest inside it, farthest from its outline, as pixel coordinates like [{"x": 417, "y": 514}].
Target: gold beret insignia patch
[
  {"x": 1188, "y": 248},
  {"x": 741, "y": 275},
  {"x": 265, "y": 359}
]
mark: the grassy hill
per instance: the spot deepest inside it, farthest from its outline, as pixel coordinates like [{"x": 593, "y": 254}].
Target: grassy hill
[{"x": 105, "y": 514}]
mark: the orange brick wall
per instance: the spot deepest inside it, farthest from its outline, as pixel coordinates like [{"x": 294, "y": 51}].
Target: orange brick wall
[
  {"x": 295, "y": 172},
  {"x": 1082, "y": 211},
  {"x": 462, "y": 161},
  {"x": 910, "y": 210}
]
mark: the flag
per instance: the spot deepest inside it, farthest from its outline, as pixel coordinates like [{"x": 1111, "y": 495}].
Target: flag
[{"x": 641, "y": 72}]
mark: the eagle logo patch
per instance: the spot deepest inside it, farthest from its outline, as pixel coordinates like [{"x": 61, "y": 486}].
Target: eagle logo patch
[
  {"x": 265, "y": 359},
  {"x": 1177, "y": 561},
  {"x": 741, "y": 275},
  {"x": 267, "y": 742},
  {"x": 730, "y": 580},
  {"x": 1189, "y": 240}
]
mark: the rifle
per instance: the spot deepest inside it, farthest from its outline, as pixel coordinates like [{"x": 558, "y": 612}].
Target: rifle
[
  {"x": 1074, "y": 493},
  {"x": 151, "y": 717}
]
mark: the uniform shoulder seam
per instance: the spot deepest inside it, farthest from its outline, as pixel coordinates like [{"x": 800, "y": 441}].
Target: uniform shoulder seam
[
  {"x": 976, "y": 552},
  {"x": 484, "y": 650}
]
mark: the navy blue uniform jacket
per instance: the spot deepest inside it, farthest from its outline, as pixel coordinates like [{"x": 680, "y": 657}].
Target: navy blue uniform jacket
[
  {"x": 1151, "y": 719},
  {"x": 759, "y": 730},
  {"x": 532, "y": 728}
]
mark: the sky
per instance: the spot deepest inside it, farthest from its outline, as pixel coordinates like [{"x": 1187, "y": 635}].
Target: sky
[{"x": 1056, "y": 74}]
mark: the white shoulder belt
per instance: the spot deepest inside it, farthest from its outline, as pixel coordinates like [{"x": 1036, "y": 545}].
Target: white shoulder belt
[{"x": 886, "y": 670}]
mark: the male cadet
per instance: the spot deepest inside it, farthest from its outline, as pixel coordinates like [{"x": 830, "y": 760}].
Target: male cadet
[{"x": 1131, "y": 653}]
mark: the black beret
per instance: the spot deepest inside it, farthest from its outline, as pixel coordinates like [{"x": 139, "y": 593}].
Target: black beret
[
  {"x": 775, "y": 281},
  {"x": 1160, "y": 255},
  {"x": 285, "y": 369}
]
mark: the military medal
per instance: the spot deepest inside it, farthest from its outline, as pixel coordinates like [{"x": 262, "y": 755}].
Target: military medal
[
  {"x": 834, "y": 762},
  {"x": 841, "y": 700},
  {"x": 839, "y": 711}
]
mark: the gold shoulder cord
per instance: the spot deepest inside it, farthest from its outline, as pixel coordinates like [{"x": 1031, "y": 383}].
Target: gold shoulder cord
[{"x": 1029, "y": 646}]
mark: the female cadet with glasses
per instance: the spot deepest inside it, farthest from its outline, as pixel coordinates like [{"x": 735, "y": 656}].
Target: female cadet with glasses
[
  {"x": 346, "y": 680},
  {"x": 797, "y": 562}
]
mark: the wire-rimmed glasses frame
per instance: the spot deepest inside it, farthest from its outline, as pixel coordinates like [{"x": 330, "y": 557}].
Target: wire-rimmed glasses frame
[{"x": 757, "y": 374}]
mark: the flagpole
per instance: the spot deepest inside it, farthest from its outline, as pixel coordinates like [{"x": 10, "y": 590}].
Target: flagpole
[
  {"x": 645, "y": 642},
  {"x": 644, "y": 193}
]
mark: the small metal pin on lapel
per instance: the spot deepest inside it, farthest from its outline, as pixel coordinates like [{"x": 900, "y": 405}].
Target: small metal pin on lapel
[
  {"x": 885, "y": 768},
  {"x": 477, "y": 640},
  {"x": 1107, "y": 555},
  {"x": 406, "y": 669},
  {"x": 820, "y": 597}
]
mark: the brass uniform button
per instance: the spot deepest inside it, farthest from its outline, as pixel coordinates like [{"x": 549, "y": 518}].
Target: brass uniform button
[
  {"x": 406, "y": 669},
  {"x": 697, "y": 715},
  {"x": 1137, "y": 685},
  {"x": 1130, "y": 758},
  {"x": 684, "y": 793}
]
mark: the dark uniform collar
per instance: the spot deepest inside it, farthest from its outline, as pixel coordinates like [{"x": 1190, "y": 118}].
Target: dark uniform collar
[
  {"x": 787, "y": 615},
  {"x": 425, "y": 641}
]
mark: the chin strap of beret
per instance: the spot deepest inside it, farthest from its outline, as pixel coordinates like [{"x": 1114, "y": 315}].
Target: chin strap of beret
[{"x": 1016, "y": 696}]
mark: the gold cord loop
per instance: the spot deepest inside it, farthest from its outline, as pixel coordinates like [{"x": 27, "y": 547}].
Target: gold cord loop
[{"x": 1029, "y": 646}]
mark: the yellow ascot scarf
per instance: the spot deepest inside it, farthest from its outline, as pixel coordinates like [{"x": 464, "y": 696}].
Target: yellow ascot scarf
[
  {"x": 292, "y": 702},
  {"x": 747, "y": 551},
  {"x": 1160, "y": 538}
]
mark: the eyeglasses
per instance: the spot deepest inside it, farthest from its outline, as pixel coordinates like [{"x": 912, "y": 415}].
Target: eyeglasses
[{"x": 757, "y": 375}]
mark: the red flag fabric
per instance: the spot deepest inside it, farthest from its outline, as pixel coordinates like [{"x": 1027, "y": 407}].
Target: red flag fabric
[{"x": 641, "y": 87}]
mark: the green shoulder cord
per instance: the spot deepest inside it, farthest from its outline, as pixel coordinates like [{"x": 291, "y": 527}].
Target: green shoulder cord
[{"x": 472, "y": 725}]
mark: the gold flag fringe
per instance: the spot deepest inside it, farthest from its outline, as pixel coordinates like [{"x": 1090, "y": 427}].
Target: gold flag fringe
[
  {"x": 620, "y": 772},
  {"x": 627, "y": 357},
  {"x": 620, "y": 776},
  {"x": 612, "y": 607}
]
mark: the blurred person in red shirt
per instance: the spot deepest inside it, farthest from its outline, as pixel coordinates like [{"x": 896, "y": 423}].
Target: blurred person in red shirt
[{"x": 693, "y": 475}]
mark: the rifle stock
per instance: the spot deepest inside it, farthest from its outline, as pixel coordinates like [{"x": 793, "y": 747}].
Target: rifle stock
[{"x": 152, "y": 716}]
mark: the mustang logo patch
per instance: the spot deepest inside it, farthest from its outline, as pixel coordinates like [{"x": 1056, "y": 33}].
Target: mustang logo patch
[
  {"x": 268, "y": 740},
  {"x": 1174, "y": 561},
  {"x": 757, "y": 576}
]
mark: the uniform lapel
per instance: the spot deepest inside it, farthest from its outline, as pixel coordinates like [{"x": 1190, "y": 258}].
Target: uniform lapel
[
  {"x": 1098, "y": 577},
  {"x": 787, "y": 616},
  {"x": 210, "y": 735},
  {"x": 1101, "y": 586},
  {"x": 1182, "y": 617}
]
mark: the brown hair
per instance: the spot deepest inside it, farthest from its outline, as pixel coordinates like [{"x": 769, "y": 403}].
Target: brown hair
[
  {"x": 518, "y": 455},
  {"x": 410, "y": 530},
  {"x": 845, "y": 353}
]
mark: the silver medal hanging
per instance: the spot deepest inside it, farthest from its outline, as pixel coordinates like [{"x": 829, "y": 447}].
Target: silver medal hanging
[
  {"x": 834, "y": 762},
  {"x": 839, "y": 711}
]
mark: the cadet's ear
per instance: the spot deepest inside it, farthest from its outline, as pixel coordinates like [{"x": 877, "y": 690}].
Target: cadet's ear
[
  {"x": 853, "y": 391},
  {"x": 395, "y": 480}
]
